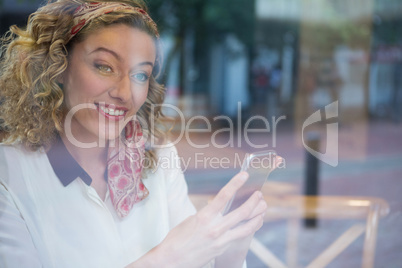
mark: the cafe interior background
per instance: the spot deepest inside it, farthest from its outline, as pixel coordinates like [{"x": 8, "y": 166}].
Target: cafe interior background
[{"x": 319, "y": 82}]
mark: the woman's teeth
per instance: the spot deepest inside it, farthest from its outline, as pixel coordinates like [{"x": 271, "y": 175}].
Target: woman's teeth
[{"x": 113, "y": 112}]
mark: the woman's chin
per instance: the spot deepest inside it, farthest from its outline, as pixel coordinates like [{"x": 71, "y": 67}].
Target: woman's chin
[{"x": 109, "y": 135}]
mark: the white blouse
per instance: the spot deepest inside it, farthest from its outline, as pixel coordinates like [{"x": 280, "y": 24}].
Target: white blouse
[{"x": 46, "y": 224}]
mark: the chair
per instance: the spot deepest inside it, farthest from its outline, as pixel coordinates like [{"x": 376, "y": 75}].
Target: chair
[{"x": 295, "y": 207}]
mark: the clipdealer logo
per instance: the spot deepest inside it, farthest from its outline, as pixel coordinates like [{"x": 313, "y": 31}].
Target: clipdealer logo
[{"x": 331, "y": 149}]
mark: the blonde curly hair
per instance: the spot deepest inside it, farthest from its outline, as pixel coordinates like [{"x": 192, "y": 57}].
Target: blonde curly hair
[{"x": 32, "y": 106}]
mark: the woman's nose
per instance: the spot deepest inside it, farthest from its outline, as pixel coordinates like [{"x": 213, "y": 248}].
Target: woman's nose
[{"x": 122, "y": 90}]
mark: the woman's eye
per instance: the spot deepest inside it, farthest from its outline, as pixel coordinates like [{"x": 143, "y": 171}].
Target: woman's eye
[
  {"x": 141, "y": 77},
  {"x": 104, "y": 68}
]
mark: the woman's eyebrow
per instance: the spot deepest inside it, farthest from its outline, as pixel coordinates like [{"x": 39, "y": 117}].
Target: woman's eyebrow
[
  {"x": 100, "y": 49},
  {"x": 146, "y": 63},
  {"x": 117, "y": 56}
]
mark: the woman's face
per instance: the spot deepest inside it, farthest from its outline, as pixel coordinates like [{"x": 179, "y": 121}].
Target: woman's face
[{"x": 107, "y": 81}]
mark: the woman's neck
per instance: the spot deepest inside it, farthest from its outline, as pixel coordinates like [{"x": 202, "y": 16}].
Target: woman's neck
[
  {"x": 92, "y": 160},
  {"x": 88, "y": 158}
]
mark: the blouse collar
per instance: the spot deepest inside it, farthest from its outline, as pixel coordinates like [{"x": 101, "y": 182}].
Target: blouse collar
[{"x": 65, "y": 166}]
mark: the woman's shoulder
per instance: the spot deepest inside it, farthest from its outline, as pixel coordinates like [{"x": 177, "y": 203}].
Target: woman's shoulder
[
  {"x": 168, "y": 157},
  {"x": 166, "y": 150},
  {"x": 167, "y": 160},
  {"x": 7, "y": 150},
  {"x": 18, "y": 150},
  {"x": 15, "y": 157}
]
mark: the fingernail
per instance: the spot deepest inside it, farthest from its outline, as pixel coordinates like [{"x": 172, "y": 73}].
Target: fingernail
[{"x": 260, "y": 195}]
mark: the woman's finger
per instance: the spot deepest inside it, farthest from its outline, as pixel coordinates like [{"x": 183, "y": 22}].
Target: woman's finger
[
  {"x": 241, "y": 231},
  {"x": 261, "y": 208},
  {"x": 227, "y": 192},
  {"x": 244, "y": 212}
]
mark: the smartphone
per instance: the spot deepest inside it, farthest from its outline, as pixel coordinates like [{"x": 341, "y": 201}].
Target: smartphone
[{"x": 258, "y": 165}]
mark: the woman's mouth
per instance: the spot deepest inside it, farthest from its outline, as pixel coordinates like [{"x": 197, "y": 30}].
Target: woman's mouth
[{"x": 111, "y": 111}]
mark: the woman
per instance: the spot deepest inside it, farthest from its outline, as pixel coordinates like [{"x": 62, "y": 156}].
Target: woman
[{"x": 77, "y": 186}]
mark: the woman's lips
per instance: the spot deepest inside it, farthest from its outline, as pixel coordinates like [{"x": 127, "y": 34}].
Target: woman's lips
[{"x": 111, "y": 111}]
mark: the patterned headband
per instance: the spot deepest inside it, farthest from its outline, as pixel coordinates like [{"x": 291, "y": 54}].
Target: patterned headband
[{"x": 88, "y": 11}]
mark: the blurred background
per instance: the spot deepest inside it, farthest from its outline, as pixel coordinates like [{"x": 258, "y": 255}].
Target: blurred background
[{"x": 283, "y": 61}]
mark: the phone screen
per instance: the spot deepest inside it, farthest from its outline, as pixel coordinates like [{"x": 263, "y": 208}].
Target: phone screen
[{"x": 258, "y": 165}]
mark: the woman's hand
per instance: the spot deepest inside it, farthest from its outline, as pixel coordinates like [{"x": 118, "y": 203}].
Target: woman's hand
[
  {"x": 208, "y": 234},
  {"x": 235, "y": 255}
]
